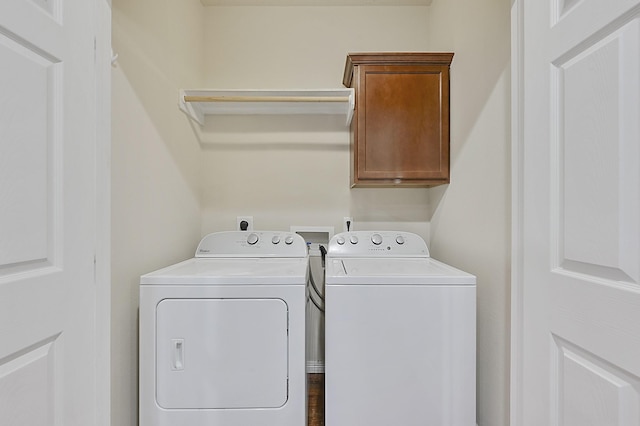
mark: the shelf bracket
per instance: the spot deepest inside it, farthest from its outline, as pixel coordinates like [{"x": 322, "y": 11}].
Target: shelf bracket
[{"x": 187, "y": 107}]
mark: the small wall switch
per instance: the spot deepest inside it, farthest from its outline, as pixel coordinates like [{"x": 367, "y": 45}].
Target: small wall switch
[
  {"x": 347, "y": 224},
  {"x": 244, "y": 223}
]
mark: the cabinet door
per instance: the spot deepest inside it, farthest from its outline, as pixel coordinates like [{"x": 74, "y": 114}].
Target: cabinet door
[{"x": 401, "y": 130}]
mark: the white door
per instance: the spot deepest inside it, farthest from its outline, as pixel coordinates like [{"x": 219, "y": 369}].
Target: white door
[
  {"x": 576, "y": 310},
  {"x": 52, "y": 337}
]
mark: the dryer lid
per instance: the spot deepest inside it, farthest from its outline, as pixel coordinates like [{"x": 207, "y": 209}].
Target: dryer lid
[{"x": 231, "y": 271}]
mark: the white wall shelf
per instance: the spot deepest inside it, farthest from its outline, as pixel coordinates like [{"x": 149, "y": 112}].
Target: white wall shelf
[{"x": 197, "y": 104}]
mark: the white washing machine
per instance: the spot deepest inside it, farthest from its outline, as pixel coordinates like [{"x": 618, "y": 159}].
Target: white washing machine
[
  {"x": 400, "y": 334},
  {"x": 222, "y": 335}
]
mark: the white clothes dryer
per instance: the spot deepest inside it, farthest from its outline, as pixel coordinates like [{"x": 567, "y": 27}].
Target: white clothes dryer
[
  {"x": 400, "y": 330},
  {"x": 222, "y": 335}
]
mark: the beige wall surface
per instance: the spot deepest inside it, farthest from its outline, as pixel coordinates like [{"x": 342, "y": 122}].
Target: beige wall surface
[
  {"x": 294, "y": 170},
  {"x": 470, "y": 224},
  {"x": 155, "y": 166},
  {"x": 173, "y": 182}
]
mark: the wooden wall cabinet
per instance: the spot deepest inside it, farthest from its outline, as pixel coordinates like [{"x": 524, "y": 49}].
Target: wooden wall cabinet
[{"x": 400, "y": 128}]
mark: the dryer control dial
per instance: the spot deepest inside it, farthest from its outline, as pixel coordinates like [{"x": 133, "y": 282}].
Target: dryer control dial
[
  {"x": 353, "y": 239},
  {"x": 275, "y": 239},
  {"x": 400, "y": 239},
  {"x": 252, "y": 239},
  {"x": 376, "y": 239},
  {"x": 288, "y": 240},
  {"x": 340, "y": 240}
]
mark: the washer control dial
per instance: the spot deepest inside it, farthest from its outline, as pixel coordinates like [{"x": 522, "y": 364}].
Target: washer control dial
[
  {"x": 377, "y": 244},
  {"x": 252, "y": 238},
  {"x": 275, "y": 239},
  {"x": 288, "y": 240}
]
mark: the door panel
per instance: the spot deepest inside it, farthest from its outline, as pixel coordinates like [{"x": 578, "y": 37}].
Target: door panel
[
  {"x": 577, "y": 359},
  {"x": 221, "y": 353},
  {"x": 590, "y": 390},
  {"x": 29, "y": 173},
  {"x": 595, "y": 146},
  {"x": 27, "y": 386}
]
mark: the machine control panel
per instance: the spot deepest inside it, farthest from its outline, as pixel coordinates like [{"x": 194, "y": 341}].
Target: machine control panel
[
  {"x": 252, "y": 244},
  {"x": 377, "y": 243}
]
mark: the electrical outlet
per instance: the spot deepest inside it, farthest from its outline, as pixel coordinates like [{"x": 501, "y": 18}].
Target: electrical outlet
[
  {"x": 240, "y": 224},
  {"x": 347, "y": 224}
]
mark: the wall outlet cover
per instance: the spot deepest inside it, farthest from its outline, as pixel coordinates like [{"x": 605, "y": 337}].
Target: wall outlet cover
[{"x": 240, "y": 223}]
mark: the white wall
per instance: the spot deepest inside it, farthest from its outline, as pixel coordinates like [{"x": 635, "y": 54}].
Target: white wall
[
  {"x": 295, "y": 171},
  {"x": 471, "y": 217},
  {"x": 155, "y": 166}
]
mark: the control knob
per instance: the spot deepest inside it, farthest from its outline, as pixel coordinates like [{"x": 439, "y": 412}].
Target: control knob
[
  {"x": 400, "y": 239},
  {"x": 353, "y": 239},
  {"x": 288, "y": 240},
  {"x": 252, "y": 239},
  {"x": 376, "y": 239}
]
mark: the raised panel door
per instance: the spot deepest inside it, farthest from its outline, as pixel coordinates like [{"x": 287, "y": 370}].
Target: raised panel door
[{"x": 400, "y": 130}]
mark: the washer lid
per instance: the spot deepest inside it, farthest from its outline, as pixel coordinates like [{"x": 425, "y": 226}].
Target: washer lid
[
  {"x": 407, "y": 271},
  {"x": 230, "y": 271}
]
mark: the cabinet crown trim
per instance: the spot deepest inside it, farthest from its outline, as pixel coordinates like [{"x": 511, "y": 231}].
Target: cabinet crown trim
[{"x": 393, "y": 58}]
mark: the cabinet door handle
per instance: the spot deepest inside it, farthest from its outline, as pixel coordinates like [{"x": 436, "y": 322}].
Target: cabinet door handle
[{"x": 177, "y": 347}]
